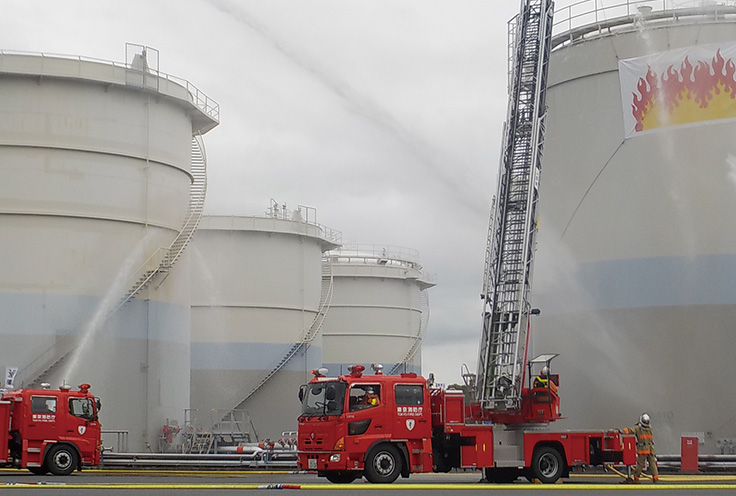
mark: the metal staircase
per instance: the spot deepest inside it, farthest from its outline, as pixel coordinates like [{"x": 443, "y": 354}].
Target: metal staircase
[
  {"x": 419, "y": 338},
  {"x": 162, "y": 260},
  {"x": 198, "y": 192},
  {"x": 308, "y": 334},
  {"x": 513, "y": 225}
]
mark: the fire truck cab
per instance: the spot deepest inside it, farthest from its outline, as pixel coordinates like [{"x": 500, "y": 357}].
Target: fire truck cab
[{"x": 47, "y": 430}]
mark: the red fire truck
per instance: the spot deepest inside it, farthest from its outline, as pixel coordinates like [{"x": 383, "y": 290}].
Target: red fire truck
[
  {"x": 47, "y": 430},
  {"x": 382, "y": 426}
]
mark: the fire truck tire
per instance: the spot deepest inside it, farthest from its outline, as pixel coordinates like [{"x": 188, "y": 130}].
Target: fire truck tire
[
  {"x": 61, "y": 459},
  {"x": 383, "y": 464},
  {"x": 547, "y": 464},
  {"x": 342, "y": 476}
]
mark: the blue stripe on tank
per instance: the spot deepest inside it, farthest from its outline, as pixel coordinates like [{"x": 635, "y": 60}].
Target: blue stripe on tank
[
  {"x": 660, "y": 281},
  {"x": 251, "y": 356}
]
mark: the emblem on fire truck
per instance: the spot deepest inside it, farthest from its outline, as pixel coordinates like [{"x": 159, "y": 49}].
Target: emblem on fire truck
[
  {"x": 410, "y": 424},
  {"x": 81, "y": 429}
]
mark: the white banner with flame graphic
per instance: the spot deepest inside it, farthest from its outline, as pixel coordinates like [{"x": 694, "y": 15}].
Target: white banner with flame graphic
[{"x": 686, "y": 86}]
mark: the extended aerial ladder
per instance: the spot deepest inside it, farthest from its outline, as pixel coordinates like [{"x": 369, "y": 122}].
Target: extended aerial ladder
[{"x": 513, "y": 225}]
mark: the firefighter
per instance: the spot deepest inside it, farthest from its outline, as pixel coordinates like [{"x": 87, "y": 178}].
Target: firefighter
[
  {"x": 371, "y": 398},
  {"x": 644, "y": 449},
  {"x": 542, "y": 380}
]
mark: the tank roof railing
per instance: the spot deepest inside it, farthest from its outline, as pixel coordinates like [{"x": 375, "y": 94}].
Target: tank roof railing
[
  {"x": 377, "y": 254},
  {"x": 197, "y": 97},
  {"x": 576, "y": 21},
  {"x": 305, "y": 214}
]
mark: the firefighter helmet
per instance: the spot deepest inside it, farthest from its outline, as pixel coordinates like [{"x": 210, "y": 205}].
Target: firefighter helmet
[
  {"x": 644, "y": 419},
  {"x": 545, "y": 371}
]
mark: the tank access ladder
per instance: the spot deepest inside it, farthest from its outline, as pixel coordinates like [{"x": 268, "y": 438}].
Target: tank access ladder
[{"x": 513, "y": 226}]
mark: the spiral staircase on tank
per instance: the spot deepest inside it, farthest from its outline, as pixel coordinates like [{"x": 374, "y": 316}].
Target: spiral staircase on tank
[
  {"x": 169, "y": 256},
  {"x": 307, "y": 335},
  {"x": 156, "y": 267},
  {"x": 419, "y": 337}
]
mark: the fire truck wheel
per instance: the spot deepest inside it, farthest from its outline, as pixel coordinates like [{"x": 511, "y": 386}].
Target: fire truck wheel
[
  {"x": 547, "y": 465},
  {"x": 342, "y": 476},
  {"x": 61, "y": 459},
  {"x": 383, "y": 464}
]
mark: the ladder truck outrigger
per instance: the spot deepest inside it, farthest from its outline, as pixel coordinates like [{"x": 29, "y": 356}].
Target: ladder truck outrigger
[{"x": 382, "y": 426}]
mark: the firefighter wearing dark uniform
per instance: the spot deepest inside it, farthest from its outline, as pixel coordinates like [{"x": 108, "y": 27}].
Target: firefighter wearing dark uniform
[{"x": 644, "y": 448}]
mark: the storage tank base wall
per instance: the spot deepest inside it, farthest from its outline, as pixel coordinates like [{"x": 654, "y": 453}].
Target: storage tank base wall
[
  {"x": 657, "y": 360},
  {"x": 251, "y": 357},
  {"x": 51, "y": 316},
  {"x": 272, "y": 409},
  {"x": 137, "y": 361},
  {"x": 214, "y": 385},
  {"x": 661, "y": 281}
]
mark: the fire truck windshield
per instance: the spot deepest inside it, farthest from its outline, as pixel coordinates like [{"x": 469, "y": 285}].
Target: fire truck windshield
[{"x": 323, "y": 399}]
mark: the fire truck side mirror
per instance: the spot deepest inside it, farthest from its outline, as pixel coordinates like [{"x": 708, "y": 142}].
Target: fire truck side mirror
[
  {"x": 302, "y": 388},
  {"x": 98, "y": 404}
]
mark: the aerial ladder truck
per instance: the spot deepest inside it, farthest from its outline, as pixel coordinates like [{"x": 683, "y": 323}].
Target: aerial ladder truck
[{"x": 382, "y": 426}]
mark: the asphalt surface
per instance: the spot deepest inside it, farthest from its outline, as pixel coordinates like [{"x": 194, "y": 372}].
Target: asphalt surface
[{"x": 146, "y": 482}]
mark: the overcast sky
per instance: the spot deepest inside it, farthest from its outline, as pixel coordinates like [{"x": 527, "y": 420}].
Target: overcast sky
[{"x": 384, "y": 115}]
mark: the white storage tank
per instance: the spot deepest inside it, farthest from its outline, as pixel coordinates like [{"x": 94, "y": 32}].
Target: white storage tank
[
  {"x": 259, "y": 295},
  {"x": 637, "y": 248},
  {"x": 95, "y": 158},
  {"x": 379, "y": 310}
]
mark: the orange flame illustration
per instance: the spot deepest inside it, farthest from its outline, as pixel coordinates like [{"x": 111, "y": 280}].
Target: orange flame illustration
[{"x": 690, "y": 94}]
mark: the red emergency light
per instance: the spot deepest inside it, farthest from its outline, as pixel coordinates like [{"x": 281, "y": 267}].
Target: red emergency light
[{"x": 356, "y": 370}]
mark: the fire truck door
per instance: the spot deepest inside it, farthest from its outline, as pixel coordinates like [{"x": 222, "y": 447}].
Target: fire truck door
[
  {"x": 412, "y": 416},
  {"x": 83, "y": 424},
  {"x": 366, "y": 414},
  {"x": 43, "y": 422}
]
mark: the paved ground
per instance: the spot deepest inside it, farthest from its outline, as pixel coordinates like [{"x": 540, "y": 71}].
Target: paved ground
[{"x": 145, "y": 483}]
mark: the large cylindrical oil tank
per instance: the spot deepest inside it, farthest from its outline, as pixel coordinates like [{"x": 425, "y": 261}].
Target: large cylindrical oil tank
[
  {"x": 259, "y": 294},
  {"x": 637, "y": 247},
  {"x": 379, "y": 310},
  {"x": 95, "y": 160}
]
